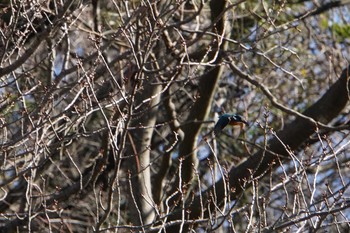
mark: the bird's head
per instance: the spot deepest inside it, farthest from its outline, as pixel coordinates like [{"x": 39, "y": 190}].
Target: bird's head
[{"x": 237, "y": 120}]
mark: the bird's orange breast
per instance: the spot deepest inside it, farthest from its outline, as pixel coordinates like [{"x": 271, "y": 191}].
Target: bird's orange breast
[{"x": 235, "y": 123}]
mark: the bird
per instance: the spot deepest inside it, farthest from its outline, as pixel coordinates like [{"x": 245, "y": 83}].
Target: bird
[{"x": 229, "y": 119}]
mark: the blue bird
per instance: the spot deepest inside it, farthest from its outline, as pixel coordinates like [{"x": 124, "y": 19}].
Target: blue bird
[{"x": 229, "y": 119}]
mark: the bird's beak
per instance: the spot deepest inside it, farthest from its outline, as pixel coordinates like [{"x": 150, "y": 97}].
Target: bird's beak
[{"x": 245, "y": 122}]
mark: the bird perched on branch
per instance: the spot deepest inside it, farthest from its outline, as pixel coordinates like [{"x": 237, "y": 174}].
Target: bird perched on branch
[{"x": 229, "y": 119}]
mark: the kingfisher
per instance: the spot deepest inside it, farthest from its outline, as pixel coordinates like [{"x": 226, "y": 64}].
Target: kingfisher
[{"x": 229, "y": 119}]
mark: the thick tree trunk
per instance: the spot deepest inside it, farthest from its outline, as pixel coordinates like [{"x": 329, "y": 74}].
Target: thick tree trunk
[
  {"x": 141, "y": 193},
  {"x": 206, "y": 88}
]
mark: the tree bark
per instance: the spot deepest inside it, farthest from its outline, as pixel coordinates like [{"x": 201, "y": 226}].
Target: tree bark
[
  {"x": 140, "y": 166},
  {"x": 206, "y": 90}
]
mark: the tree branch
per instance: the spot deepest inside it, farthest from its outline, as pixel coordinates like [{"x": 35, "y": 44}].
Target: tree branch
[{"x": 288, "y": 139}]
